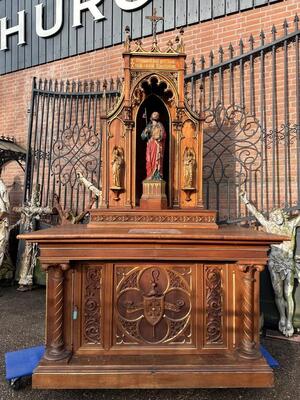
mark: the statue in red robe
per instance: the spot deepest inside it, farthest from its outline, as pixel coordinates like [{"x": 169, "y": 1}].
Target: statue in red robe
[{"x": 156, "y": 136}]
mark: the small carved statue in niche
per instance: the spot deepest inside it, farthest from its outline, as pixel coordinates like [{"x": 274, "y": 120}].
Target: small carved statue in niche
[
  {"x": 155, "y": 134},
  {"x": 31, "y": 213},
  {"x": 189, "y": 162},
  {"x": 68, "y": 216},
  {"x": 117, "y": 167},
  {"x": 282, "y": 266}
]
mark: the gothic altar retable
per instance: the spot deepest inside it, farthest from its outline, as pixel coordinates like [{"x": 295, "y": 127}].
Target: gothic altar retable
[{"x": 151, "y": 293}]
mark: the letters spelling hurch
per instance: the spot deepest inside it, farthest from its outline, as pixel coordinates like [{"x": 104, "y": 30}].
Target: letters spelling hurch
[{"x": 79, "y": 6}]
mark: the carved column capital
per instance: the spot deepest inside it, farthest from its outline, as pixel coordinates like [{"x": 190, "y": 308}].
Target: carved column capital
[
  {"x": 65, "y": 266},
  {"x": 62, "y": 266},
  {"x": 251, "y": 267}
]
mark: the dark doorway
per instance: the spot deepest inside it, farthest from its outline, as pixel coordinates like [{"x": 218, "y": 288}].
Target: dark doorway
[{"x": 151, "y": 103}]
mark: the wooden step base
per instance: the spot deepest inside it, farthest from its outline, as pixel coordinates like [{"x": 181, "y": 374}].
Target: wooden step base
[{"x": 154, "y": 372}]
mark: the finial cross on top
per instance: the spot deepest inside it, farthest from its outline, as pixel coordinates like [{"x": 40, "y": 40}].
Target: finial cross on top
[{"x": 155, "y": 19}]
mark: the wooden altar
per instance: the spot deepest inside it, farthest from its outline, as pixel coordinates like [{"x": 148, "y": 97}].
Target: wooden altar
[{"x": 151, "y": 293}]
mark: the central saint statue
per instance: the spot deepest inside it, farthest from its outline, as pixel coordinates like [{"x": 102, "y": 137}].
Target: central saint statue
[{"x": 156, "y": 135}]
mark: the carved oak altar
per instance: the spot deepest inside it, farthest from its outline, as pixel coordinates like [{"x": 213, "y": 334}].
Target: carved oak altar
[
  {"x": 151, "y": 293},
  {"x": 152, "y": 307}
]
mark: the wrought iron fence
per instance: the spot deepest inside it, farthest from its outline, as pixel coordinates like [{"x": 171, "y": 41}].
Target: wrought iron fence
[
  {"x": 65, "y": 135},
  {"x": 251, "y": 103}
]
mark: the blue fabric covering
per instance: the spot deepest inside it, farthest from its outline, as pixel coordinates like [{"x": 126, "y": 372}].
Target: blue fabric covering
[
  {"x": 270, "y": 360},
  {"x": 23, "y": 362}
]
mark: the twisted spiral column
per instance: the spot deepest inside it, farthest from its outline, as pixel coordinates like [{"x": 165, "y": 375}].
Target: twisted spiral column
[
  {"x": 249, "y": 348},
  {"x": 55, "y": 350}
]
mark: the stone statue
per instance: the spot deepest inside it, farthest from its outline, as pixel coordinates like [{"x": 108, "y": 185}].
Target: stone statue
[
  {"x": 68, "y": 216},
  {"x": 31, "y": 213},
  {"x": 117, "y": 165},
  {"x": 156, "y": 136},
  {"x": 189, "y": 162},
  {"x": 4, "y": 228},
  {"x": 282, "y": 266}
]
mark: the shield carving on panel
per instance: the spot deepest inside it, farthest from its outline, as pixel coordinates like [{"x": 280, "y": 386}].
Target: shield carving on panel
[{"x": 154, "y": 308}]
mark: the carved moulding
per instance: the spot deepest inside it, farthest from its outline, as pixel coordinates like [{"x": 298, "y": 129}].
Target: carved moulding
[
  {"x": 167, "y": 219},
  {"x": 92, "y": 306},
  {"x": 178, "y": 122},
  {"x": 214, "y": 312},
  {"x": 118, "y": 105},
  {"x": 153, "y": 306}
]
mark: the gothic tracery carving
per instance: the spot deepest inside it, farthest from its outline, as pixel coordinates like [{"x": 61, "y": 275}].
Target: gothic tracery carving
[
  {"x": 153, "y": 306},
  {"x": 92, "y": 306},
  {"x": 214, "y": 305}
]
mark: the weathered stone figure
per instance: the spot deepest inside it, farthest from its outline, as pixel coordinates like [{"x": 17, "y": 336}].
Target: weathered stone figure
[
  {"x": 282, "y": 266},
  {"x": 68, "y": 216},
  {"x": 31, "y": 213},
  {"x": 117, "y": 165},
  {"x": 90, "y": 186},
  {"x": 156, "y": 136},
  {"x": 4, "y": 224}
]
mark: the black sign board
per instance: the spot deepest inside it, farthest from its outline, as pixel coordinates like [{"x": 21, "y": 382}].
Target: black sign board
[{"x": 33, "y": 32}]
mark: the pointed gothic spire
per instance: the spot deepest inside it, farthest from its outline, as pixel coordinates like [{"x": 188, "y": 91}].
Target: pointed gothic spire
[
  {"x": 230, "y": 50},
  {"x": 262, "y": 37},
  {"x": 285, "y": 27},
  {"x": 251, "y": 41},
  {"x": 202, "y": 61},
  {"x": 241, "y": 45},
  {"x": 296, "y": 22},
  {"x": 273, "y": 31},
  {"x": 193, "y": 63},
  {"x": 221, "y": 54}
]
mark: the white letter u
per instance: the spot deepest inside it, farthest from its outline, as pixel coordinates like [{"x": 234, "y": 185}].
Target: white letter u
[
  {"x": 58, "y": 21},
  {"x": 130, "y": 5}
]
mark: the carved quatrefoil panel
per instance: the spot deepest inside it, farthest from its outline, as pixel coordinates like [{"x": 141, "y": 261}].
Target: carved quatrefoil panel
[{"x": 153, "y": 305}]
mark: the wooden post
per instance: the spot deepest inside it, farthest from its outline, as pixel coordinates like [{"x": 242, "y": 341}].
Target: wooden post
[
  {"x": 248, "y": 347},
  {"x": 55, "y": 347}
]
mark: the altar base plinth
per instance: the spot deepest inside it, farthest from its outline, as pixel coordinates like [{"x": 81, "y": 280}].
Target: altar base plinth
[{"x": 154, "y": 372}]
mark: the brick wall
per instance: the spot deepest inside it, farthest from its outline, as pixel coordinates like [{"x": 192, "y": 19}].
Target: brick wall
[{"x": 15, "y": 88}]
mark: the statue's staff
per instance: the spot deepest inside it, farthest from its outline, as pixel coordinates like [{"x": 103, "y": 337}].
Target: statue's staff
[{"x": 145, "y": 116}]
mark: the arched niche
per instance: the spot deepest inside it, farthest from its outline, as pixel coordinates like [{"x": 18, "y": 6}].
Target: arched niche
[{"x": 151, "y": 103}]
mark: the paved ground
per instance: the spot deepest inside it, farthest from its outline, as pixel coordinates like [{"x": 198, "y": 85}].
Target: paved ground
[{"x": 21, "y": 325}]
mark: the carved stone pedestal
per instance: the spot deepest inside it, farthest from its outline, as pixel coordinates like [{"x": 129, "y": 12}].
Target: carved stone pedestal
[{"x": 154, "y": 195}]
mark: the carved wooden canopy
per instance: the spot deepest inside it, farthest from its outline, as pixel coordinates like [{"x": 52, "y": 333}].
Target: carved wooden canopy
[{"x": 153, "y": 81}]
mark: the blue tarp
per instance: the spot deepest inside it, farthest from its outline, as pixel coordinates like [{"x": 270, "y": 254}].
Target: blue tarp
[
  {"x": 270, "y": 360},
  {"x": 23, "y": 362}
]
